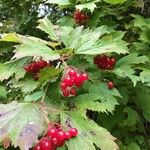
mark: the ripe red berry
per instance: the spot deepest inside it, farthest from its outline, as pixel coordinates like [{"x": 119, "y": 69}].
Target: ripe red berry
[
  {"x": 73, "y": 132},
  {"x": 84, "y": 76},
  {"x": 67, "y": 135},
  {"x": 63, "y": 86},
  {"x": 27, "y": 68},
  {"x": 68, "y": 81},
  {"x": 72, "y": 73},
  {"x": 61, "y": 136},
  {"x": 45, "y": 143},
  {"x": 52, "y": 133},
  {"x": 54, "y": 141},
  {"x": 73, "y": 91},
  {"x": 66, "y": 93},
  {"x": 110, "y": 85},
  {"x": 61, "y": 143},
  {"x": 37, "y": 147},
  {"x": 80, "y": 17}
]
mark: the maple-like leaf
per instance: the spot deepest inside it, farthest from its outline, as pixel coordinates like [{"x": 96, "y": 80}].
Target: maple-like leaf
[
  {"x": 21, "y": 122},
  {"x": 89, "y": 133},
  {"x": 59, "y": 2},
  {"x": 36, "y": 48},
  {"x": 115, "y": 1},
  {"x": 13, "y": 67},
  {"x": 87, "y": 5},
  {"x": 124, "y": 67},
  {"x": 99, "y": 99},
  {"x": 86, "y": 41},
  {"x": 46, "y": 26}
]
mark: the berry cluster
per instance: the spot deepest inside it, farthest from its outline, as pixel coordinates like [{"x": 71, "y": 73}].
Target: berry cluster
[
  {"x": 54, "y": 138},
  {"x": 35, "y": 67},
  {"x": 80, "y": 17},
  {"x": 71, "y": 81},
  {"x": 104, "y": 62}
]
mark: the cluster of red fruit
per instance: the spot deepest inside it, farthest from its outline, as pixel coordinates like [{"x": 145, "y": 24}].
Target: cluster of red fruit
[
  {"x": 104, "y": 62},
  {"x": 35, "y": 67},
  {"x": 71, "y": 81},
  {"x": 80, "y": 17},
  {"x": 54, "y": 138}
]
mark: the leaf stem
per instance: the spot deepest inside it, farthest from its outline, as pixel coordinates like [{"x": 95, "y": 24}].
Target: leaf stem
[{"x": 43, "y": 98}]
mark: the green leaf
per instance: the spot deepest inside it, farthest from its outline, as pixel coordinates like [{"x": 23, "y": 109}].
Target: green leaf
[
  {"x": 99, "y": 99},
  {"x": 133, "y": 146},
  {"x": 87, "y": 41},
  {"x": 13, "y": 67},
  {"x": 145, "y": 76},
  {"x": 28, "y": 85},
  {"x": 89, "y": 133},
  {"x": 142, "y": 100},
  {"x": 115, "y": 1},
  {"x": 3, "y": 92},
  {"x": 132, "y": 117},
  {"x": 66, "y": 21},
  {"x": 141, "y": 22},
  {"x": 36, "y": 48},
  {"x": 59, "y": 2},
  {"x": 88, "y": 5},
  {"x": 124, "y": 68},
  {"x": 34, "y": 96},
  {"x": 11, "y": 37},
  {"x": 46, "y": 26},
  {"x": 21, "y": 122}
]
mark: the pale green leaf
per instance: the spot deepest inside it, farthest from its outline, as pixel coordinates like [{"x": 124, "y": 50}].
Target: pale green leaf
[
  {"x": 115, "y": 1},
  {"x": 59, "y": 2},
  {"x": 13, "y": 67},
  {"x": 46, "y": 26},
  {"x": 21, "y": 122},
  {"x": 34, "y": 96},
  {"x": 88, "y": 5},
  {"x": 89, "y": 133},
  {"x": 36, "y": 48},
  {"x": 145, "y": 76}
]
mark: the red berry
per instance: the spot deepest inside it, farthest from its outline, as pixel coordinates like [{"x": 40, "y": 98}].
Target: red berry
[
  {"x": 61, "y": 136},
  {"x": 72, "y": 73},
  {"x": 67, "y": 135},
  {"x": 73, "y": 91},
  {"x": 66, "y": 93},
  {"x": 60, "y": 144},
  {"x": 73, "y": 132},
  {"x": 84, "y": 76},
  {"x": 78, "y": 84},
  {"x": 68, "y": 81},
  {"x": 110, "y": 85},
  {"x": 27, "y": 68},
  {"x": 54, "y": 141},
  {"x": 52, "y": 132},
  {"x": 45, "y": 144},
  {"x": 63, "y": 86},
  {"x": 37, "y": 147}
]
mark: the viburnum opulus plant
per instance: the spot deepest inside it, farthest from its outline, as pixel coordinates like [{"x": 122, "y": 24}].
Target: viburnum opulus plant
[{"x": 67, "y": 81}]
